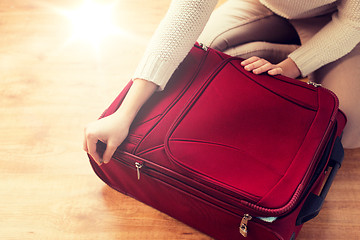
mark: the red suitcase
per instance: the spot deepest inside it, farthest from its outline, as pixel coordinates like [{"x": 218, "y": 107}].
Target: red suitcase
[{"x": 232, "y": 154}]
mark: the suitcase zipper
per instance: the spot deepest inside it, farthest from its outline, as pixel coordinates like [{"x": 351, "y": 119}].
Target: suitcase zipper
[
  {"x": 314, "y": 84},
  {"x": 138, "y": 166},
  {"x": 202, "y": 46},
  {"x": 243, "y": 229},
  {"x": 142, "y": 167}
]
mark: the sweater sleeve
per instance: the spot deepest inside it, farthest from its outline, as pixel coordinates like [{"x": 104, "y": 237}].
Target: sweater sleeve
[
  {"x": 333, "y": 41},
  {"x": 173, "y": 39}
]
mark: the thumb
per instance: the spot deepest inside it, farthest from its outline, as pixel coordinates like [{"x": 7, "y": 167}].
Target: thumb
[{"x": 109, "y": 152}]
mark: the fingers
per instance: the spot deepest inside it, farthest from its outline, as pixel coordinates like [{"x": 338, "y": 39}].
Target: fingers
[
  {"x": 259, "y": 65},
  {"x": 99, "y": 151},
  {"x": 109, "y": 152},
  {"x": 256, "y": 65},
  {"x": 89, "y": 146},
  {"x": 85, "y": 142},
  {"x": 275, "y": 71},
  {"x": 92, "y": 150},
  {"x": 262, "y": 68},
  {"x": 250, "y": 60}
]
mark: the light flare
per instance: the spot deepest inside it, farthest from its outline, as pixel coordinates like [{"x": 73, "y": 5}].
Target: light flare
[{"x": 92, "y": 22}]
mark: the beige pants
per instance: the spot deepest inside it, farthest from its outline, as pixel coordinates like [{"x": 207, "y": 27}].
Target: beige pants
[{"x": 246, "y": 28}]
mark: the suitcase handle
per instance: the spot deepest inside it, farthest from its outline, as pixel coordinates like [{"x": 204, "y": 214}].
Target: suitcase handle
[{"x": 313, "y": 203}]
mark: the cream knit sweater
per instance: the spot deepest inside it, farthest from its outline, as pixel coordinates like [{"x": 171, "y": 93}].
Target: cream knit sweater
[{"x": 186, "y": 19}]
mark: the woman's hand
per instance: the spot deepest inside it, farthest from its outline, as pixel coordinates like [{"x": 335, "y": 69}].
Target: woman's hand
[
  {"x": 111, "y": 130},
  {"x": 259, "y": 65}
]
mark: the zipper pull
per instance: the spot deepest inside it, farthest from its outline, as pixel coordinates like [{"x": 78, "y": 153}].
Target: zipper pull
[
  {"x": 314, "y": 84},
  {"x": 205, "y": 48},
  {"x": 243, "y": 225},
  {"x": 138, "y": 166}
]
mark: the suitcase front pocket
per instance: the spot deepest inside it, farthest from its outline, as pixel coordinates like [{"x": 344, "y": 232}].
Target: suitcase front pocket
[{"x": 239, "y": 134}]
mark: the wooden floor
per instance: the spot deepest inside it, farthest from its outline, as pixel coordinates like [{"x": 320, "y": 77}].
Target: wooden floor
[{"x": 50, "y": 88}]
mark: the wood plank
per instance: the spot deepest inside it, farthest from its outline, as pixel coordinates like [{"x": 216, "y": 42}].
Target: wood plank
[{"x": 50, "y": 90}]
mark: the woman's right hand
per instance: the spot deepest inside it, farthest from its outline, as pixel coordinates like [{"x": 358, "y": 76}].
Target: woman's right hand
[{"x": 111, "y": 130}]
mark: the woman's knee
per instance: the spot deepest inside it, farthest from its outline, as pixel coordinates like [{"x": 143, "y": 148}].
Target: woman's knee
[
  {"x": 273, "y": 52},
  {"x": 226, "y": 22},
  {"x": 238, "y": 22},
  {"x": 343, "y": 78}
]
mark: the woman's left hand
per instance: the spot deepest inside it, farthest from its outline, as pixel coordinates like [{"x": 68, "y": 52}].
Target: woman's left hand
[{"x": 259, "y": 65}]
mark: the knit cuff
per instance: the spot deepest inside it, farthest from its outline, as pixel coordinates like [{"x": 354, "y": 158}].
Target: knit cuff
[
  {"x": 306, "y": 60},
  {"x": 154, "y": 70}
]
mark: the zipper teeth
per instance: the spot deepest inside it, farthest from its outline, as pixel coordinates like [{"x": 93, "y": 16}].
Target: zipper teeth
[
  {"x": 150, "y": 166},
  {"x": 333, "y": 117},
  {"x": 227, "y": 206},
  {"x": 271, "y": 211}
]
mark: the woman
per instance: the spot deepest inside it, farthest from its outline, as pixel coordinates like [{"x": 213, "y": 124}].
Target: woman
[{"x": 329, "y": 32}]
